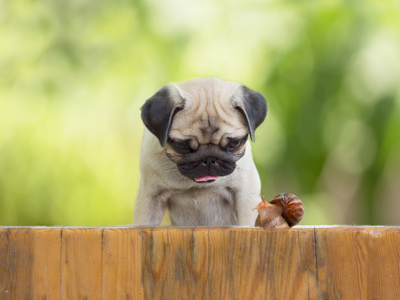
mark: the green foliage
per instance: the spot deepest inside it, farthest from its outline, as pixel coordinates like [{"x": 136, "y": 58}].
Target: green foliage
[{"x": 73, "y": 75}]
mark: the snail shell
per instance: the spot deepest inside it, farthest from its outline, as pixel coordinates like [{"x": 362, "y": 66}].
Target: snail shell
[{"x": 292, "y": 207}]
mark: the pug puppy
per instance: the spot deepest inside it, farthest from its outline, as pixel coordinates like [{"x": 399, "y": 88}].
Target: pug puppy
[{"x": 195, "y": 157}]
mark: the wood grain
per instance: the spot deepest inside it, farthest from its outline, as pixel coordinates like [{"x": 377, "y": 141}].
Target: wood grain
[
  {"x": 358, "y": 263},
  {"x": 200, "y": 263},
  {"x": 155, "y": 243},
  {"x": 290, "y": 252},
  {"x": 179, "y": 284},
  {"x": 30, "y": 267},
  {"x": 81, "y": 263},
  {"x": 233, "y": 251},
  {"x": 122, "y": 264},
  {"x": 3, "y": 263}
]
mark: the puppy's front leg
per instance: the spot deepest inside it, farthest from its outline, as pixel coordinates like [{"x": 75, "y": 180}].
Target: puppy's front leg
[{"x": 149, "y": 209}]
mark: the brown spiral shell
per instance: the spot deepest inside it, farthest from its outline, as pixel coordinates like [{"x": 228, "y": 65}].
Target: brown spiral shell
[{"x": 292, "y": 206}]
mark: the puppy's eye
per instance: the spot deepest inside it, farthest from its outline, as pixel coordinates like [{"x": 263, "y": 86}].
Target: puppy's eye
[
  {"x": 180, "y": 146},
  {"x": 235, "y": 144}
]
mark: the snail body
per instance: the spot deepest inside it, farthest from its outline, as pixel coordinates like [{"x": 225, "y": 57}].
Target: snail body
[{"x": 283, "y": 211}]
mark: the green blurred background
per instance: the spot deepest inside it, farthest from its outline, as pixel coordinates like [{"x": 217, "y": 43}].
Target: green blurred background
[{"x": 73, "y": 75}]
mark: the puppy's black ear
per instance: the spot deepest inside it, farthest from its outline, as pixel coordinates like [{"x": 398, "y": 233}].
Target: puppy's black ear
[
  {"x": 252, "y": 105},
  {"x": 159, "y": 111}
]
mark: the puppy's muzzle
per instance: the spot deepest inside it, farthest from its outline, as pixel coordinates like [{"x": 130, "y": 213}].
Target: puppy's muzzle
[
  {"x": 208, "y": 166},
  {"x": 208, "y": 161}
]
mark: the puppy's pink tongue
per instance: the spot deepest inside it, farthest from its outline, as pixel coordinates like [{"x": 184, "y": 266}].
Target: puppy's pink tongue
[{"x": 205, "y": 178}]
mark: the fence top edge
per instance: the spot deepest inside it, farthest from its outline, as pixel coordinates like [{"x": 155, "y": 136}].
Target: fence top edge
[{"x": 338, "y": 227}]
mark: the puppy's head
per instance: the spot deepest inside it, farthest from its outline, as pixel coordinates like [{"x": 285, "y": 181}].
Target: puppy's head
[{"x": 203, "y": 124}]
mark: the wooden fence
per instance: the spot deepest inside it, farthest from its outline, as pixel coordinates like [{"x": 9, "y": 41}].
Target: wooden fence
[{"x": 199, "y": 263}]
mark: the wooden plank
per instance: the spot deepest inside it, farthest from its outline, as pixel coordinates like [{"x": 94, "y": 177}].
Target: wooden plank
[
  {"x": 218, "y": 264},
  {"x": 234, "y": 262},
  {"x": 391, "y": 257},
  {"x": 46, "y": 249},
  {"x": 287, "y": 264},
  {"x": 20, "y": 263},
  {"x": 155, "y": 243},
  {"x": 81, "y": 263},
  {"x": 3, "y": 263},
  {"x": 122, "y": 264},
  {"x": 358, "y": 263},
  {"x": 199, "y": 262},
  {"x": 243, "y": 260},
  {"x": 34, "y": 263},
  {"x": 179, "y": 281}
]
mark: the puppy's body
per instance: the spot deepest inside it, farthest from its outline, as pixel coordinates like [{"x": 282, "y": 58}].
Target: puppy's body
[
  {"x": 230, "y": 200},
  {"x": 193, "y": 143}
]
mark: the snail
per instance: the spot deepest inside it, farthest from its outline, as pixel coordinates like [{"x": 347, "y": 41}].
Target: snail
[{"x": 283, "y": 211}]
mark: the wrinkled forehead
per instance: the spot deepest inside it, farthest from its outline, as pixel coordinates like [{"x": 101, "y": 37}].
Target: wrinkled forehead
[
  {"x": 208, "y": 115},
  {"x": 206, "y": 90}
]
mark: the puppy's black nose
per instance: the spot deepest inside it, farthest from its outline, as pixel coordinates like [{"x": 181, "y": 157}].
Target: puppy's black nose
[{"x": 209, "y": 161}]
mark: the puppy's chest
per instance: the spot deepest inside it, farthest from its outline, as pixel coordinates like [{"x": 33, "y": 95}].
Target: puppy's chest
[{"x": 203, "y": 207}]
